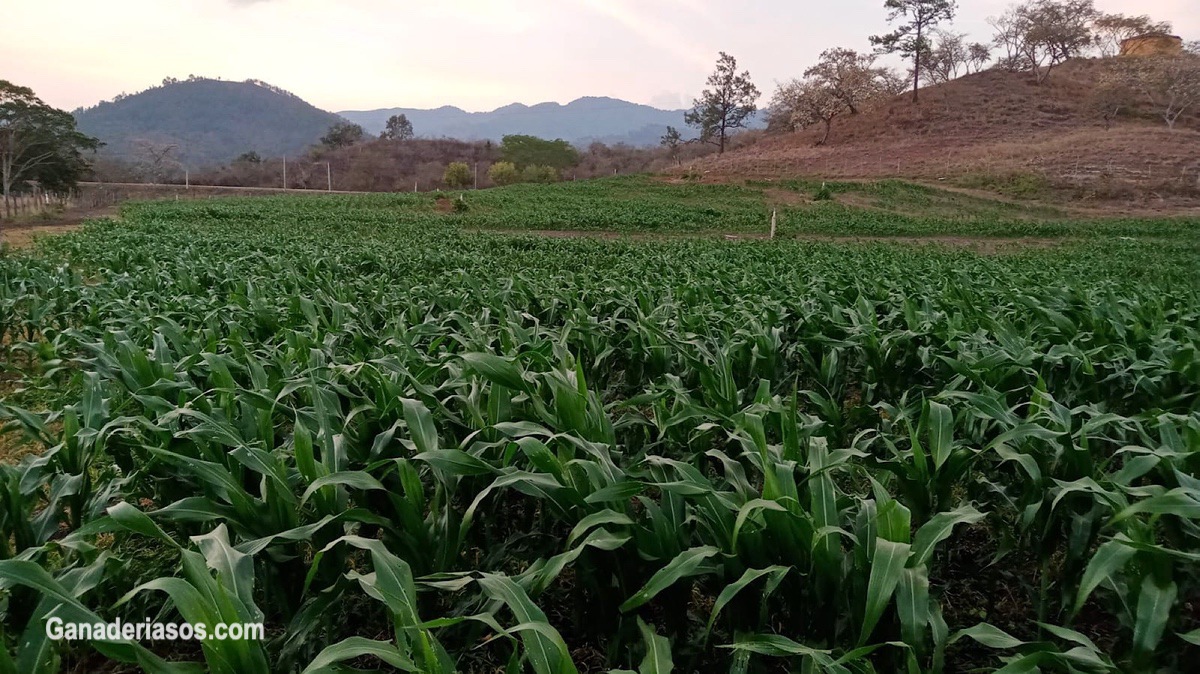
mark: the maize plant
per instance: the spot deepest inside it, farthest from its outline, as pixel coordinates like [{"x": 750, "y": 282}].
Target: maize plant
[{"x": 401, "y": 443}]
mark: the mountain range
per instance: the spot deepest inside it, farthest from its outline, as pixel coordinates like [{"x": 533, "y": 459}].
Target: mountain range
[
  {"x": 207, "y": 122},
  {"x": 608, "y": 120}
]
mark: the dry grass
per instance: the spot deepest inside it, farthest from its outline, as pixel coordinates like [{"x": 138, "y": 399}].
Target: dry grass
[{"x": 1000, "y": 132}]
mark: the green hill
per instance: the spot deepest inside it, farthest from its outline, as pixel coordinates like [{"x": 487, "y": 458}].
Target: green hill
[{"x": 210, "y": 121}]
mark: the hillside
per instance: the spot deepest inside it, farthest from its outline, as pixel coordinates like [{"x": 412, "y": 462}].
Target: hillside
[
  {"x": 211, "y": 121},
  {"x": 607, "y": 120},
  {"x": 999, "y": 131}
]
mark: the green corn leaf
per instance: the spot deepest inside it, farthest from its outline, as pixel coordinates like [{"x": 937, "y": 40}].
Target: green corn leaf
[
  {"x": 688, "y": 563},
  {"x": 937, "y": 529},
  {"x": 455, "y": 462},
  {"x": 730, "y": 591},
  {"x": 354, "y": 479},
  {"x": 1155, "y": 602},
  {"x": 658, "y": 652},
  {"x": 988, "y": 635},
  {"x": 545, "y": 649},
  {"x": 941, "y": 432},
  {"x": 496, "y": 370},
  {"x": 887, "y": 568},
  {"x": 912, "y": 605},
  {"x": 355, "y": 648},
  {"x": 1109, "y": 558},
  {"x": 420, "y": 425}
]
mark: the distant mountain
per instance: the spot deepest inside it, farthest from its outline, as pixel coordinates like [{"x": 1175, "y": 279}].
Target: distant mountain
[
  {"x": 608, "y": 120},
  {"x": 211, "y": 121}
]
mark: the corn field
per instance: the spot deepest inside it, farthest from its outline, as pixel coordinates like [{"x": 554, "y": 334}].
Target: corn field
[{"x": 405, "y": 446}]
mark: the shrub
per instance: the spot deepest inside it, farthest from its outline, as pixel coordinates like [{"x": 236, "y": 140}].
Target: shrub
[
  {"x": 458, "y": 175},
  {"x": 540, "y": 174},
  {"x": 504, "y": 173}
]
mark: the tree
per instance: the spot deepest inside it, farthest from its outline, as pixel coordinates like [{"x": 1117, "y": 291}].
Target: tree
[
  {"x": 1110, "y": 97},
  {"x": 38, "y": 142},
  {"x": 342, "y": 134},
  {"x": 457, "y": 175},
  {"x": 539, "y": 174},
  {"x": 947, "y": 57},
  {"x": 1110, "y": 30},
  {"x": 978, "y": 56},
  {"x": 729, "y": 102},
  {"x": 504, "y": 173},
  {"x": 250, "y": 157},
  {"x": 672, "y": 140},
  {"x": 1171, "y": 84},
  {"x": 799, "y": 104},
  {"x": 911, "y": 39},
  {"x": 1041, "y": 34},
  {"x": 156, "y": 160},
  {"x": 525, "y": 151},
  {"x": 398, "y": 128},
  {"x": 852, "y": 78}
]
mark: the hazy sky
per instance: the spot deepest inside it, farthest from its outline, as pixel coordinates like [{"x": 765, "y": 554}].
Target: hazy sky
[{"x": 476, "y": 54}]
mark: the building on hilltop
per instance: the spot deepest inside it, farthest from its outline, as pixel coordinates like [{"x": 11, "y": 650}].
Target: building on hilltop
[{"x": 1152, "y": 45}]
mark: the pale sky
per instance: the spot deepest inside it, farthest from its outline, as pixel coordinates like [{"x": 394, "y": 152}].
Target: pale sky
[{"x": 476, "y": 54}]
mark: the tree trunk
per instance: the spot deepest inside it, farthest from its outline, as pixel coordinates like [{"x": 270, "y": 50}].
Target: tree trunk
[
  {"x": 828, "y": 126},
  {"x": 917, "y": 67}
]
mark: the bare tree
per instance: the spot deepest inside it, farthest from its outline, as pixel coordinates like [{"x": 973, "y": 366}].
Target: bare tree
[
  {"x": 911, "y": 39},
  {"x": 1041, "y": 34},
  {"x": 851, "y": 78},
  {"x": 1171, "y": 84},
  {"x": 1110, "y": 30},
  {"x": 1111, "y": 96},
  {"x": 947, "y": 56},
  {"x": 806, "y": 103},
  {"x": 156, "y": 160},
  {"x": 727, "y": 105}
]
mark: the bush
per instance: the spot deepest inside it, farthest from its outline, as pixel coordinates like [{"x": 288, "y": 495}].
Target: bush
[
  {"x": 823, "y": 194},
  {"x": 504, "y": 173},
  {"x": 458, "y": 175},
  {"x": 540, "y": 174}
]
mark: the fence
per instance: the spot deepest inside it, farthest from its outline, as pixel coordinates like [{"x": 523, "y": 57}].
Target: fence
[{"x": 21, "y": 205}]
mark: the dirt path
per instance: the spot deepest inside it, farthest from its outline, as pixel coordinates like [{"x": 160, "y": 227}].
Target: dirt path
[{"x": 21, "y": 233}]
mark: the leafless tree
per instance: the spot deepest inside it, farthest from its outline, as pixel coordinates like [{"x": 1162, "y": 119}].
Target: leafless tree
[
  {"x": 947, "y": 57},
  {"x": 156, "y": 160},
  {"x": 851, "y": 78},
  {"x": 1170, "y": 84},
  {"x": 806, "y": 103},
  {"x": 1041, "y": 34},
  {"x": 1110, "y": 30}
]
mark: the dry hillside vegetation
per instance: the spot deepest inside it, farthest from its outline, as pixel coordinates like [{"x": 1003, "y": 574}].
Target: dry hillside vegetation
[{"x": 1001, "y": 131}]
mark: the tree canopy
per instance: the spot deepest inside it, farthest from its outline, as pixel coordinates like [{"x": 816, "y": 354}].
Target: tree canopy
[
  {"x": 398, "y": 128},
  {"x": 729, "y": 102},
  {"x": 38, "y": 142},
  {"x": 343, "y": 134},
  {"x": 911, "y": 38},
  {"x": 525, "y": 151}
]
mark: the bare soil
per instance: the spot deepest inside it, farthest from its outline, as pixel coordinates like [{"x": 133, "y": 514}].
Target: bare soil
[
  {"x": 22, "y": 233},
  {"x": 1002, "y": 133}
]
